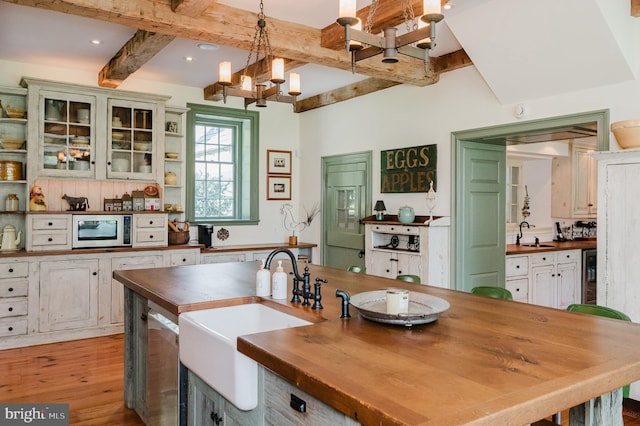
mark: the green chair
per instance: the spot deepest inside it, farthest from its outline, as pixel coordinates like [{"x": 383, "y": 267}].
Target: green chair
[
  {"x": 601, "y": 311},
  {"x": 495, "y": 292},
  {"x": 409, "y": 278},
  {"x": 358, "y": 269}
]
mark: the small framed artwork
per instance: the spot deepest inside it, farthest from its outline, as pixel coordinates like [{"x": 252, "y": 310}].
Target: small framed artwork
[
  {"x": 278, "y": 162},
  {"x": 278, "y": 187}
]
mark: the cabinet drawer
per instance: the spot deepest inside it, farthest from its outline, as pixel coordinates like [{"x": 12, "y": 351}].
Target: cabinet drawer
[
  {"x": 569, "y": 256},
  {"x": 41, "y": 223},
  {"x": 519, "y": 289},
  {"x": 177, "y": 259},
  {"x": 151, "y": 221},
  {"x": 151, "y": 237},
  {"x": 14, "y": 269},
  {"x": 222, "y": 258},
  {"x": 277, "y": 396},
  {"x": 13, "y": 288},
  {"x": 12, "y": 326},
  {"x": 396, "y": 229},
  {"x": 543, "y": 258},
  {"x": 516, "y": 266},
  {"x": 13, "y": 307},
  {"x": 50, "y": 239}
]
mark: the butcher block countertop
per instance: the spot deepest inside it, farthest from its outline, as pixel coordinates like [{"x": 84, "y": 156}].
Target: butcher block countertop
[
  {"x": 566, "y": 245},
  {"x": 483, "y": 362}
]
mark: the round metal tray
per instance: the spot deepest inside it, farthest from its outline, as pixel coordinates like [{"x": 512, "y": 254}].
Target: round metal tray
[{"x": 423, "y": 308}]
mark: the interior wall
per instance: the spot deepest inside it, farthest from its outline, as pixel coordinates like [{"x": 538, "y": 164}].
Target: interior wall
[
  {"x": 279, "y": 129},
  {"x": 404, "y": 116}
]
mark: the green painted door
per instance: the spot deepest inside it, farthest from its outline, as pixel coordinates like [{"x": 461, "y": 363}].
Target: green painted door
[
  {"x": 347, "y": 199},
  {"x": 480, "y": 223}
]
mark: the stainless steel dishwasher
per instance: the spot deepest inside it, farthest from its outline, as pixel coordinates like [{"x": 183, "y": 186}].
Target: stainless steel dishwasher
[{"x": 163, "y": 371}]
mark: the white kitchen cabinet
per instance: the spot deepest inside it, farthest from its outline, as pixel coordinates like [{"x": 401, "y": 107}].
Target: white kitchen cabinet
[
  {"x": 574, "y": 183},
  {"x": 150, "y": 230},
  {"x": 174, "y": 160},
  {"x": 68, "y": 294},
  {"x": 618, "y": 266},
  {"x": 555, "y": 278},
  {"x": 131, "y": 261},
  {"x": 394, "y": 248},
  {"x": 61, "y": 139},
  {"x": 13, "y": 127},
  {"x": 14, "y": 290},
  {"x": 48, "y": 232},
  {"x": 517, "y": 277}
]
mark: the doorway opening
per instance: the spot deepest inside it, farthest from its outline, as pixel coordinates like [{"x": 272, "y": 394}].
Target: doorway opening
[{"x": 471, "y": 218}]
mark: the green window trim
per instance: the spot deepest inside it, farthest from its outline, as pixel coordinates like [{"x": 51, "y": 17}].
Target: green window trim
[{"x": 246, "y": 125}]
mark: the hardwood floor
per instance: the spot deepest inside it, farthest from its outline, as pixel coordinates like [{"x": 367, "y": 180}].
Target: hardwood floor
[{"x": 88, "y": 375}]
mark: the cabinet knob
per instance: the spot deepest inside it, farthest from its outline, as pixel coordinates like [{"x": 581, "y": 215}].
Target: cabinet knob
[
  {"x": 10, "y": 289},
  {"x": 151, "y": 237},
  {"x": 388, "y": 270},
  {"x": 553, "y": 275},
  {"x": 94, "y": 273},
  {"x": 10, "y": 328},
  {"x": 10, "y": 309},
  {"x": 50, "y": 223},
  {"x": 150, "y": 222},
  {"x": 517, "y": 266},
  {"x": 184, "y": 260},
  {"x": 49, "y": 239},
  {"x": 10, "y": 269},
  {"x": 108, "y": 163},
  {"x": 544, "y": 258}
]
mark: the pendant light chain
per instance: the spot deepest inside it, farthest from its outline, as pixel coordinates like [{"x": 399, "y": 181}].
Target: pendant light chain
[
  {"x": 409, "y": 16},
  {"x": 259, "y": 43},
  {"x": 372, "y": 12}
]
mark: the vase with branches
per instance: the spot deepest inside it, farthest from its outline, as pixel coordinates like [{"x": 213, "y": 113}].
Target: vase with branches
[{"x": 293, "y": 225}]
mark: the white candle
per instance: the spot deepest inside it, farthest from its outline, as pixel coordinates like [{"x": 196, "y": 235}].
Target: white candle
[
  {"x": 294, "y": 83},
  {"x": 431, "y": 6},
  {"x": 277, "y": 70},
  {"x": 246, "y": 83},
  {"x": 347, "y": 9},
  {"x": 224, "y": 72}
]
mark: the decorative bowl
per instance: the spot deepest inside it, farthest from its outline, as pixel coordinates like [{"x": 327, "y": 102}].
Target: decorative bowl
[
  {"x": 14, "y": 112},
  {"x": 12, "y": 143},
  {"x": 117, "y": 136},
  {"x": 171, "y": 155},
  {"x": 142, "y": 146},
  {"x": 627, "y": 133}
]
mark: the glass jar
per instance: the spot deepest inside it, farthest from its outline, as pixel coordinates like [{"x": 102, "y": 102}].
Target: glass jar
[{"x": 11, "y": 203}]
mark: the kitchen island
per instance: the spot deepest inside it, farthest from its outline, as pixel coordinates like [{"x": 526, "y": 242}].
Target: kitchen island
[{"x": 484, "y": 361}]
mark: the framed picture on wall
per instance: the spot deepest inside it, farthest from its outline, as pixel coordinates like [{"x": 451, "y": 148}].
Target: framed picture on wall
[
  {"x": 278, "y": 162},
  {"x": 278, "y": 187}
]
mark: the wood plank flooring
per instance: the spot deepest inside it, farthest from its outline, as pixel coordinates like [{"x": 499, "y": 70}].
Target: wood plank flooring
[{"x": 88, "y": 375}]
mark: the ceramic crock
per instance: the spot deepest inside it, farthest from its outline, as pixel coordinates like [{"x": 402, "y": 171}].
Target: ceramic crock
[{"x": 406, "y": 214}]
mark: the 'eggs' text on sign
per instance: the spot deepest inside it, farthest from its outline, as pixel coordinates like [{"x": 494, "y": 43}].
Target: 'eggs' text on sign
[{"x": 408, "y": 169}]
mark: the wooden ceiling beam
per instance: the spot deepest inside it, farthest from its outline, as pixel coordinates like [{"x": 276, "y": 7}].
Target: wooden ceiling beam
[
  {"x": 449, "y": 62},
  {"x": 136, "y": 52},
  {"x": 229, "y": 26},
  {"x": 635, "y": 8},
  {"x": 192, "y": 8}
]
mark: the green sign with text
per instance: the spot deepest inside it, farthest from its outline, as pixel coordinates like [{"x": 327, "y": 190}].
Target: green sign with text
[{"x": 408, "y": 169}]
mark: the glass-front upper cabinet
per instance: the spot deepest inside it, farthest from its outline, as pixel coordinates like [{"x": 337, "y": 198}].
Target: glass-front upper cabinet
[
  {"x": 67, "y": 136},
  {"x": 131, "y": 140}
]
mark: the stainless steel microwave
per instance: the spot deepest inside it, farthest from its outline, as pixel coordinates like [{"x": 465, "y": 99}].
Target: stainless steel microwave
[{"x": 101, "y": 230}]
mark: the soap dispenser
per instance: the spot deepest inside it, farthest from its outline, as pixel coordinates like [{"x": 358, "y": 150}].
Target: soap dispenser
[
  {"x": 263, "y": 281},
  {"x": 279, "y": 282}
]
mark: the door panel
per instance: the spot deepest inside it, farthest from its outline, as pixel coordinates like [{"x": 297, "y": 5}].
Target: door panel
[
  {"x": 347, "y": 199},
  {"x": 481, "y": 229}
]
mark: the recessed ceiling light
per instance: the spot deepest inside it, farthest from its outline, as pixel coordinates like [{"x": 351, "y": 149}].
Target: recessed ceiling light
[
  {"x": 448, "y": 6},
  {"x": 96, "y": 41},
  {"x": 188, "y": 58},
  {"x": 208, "y": 46}
]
